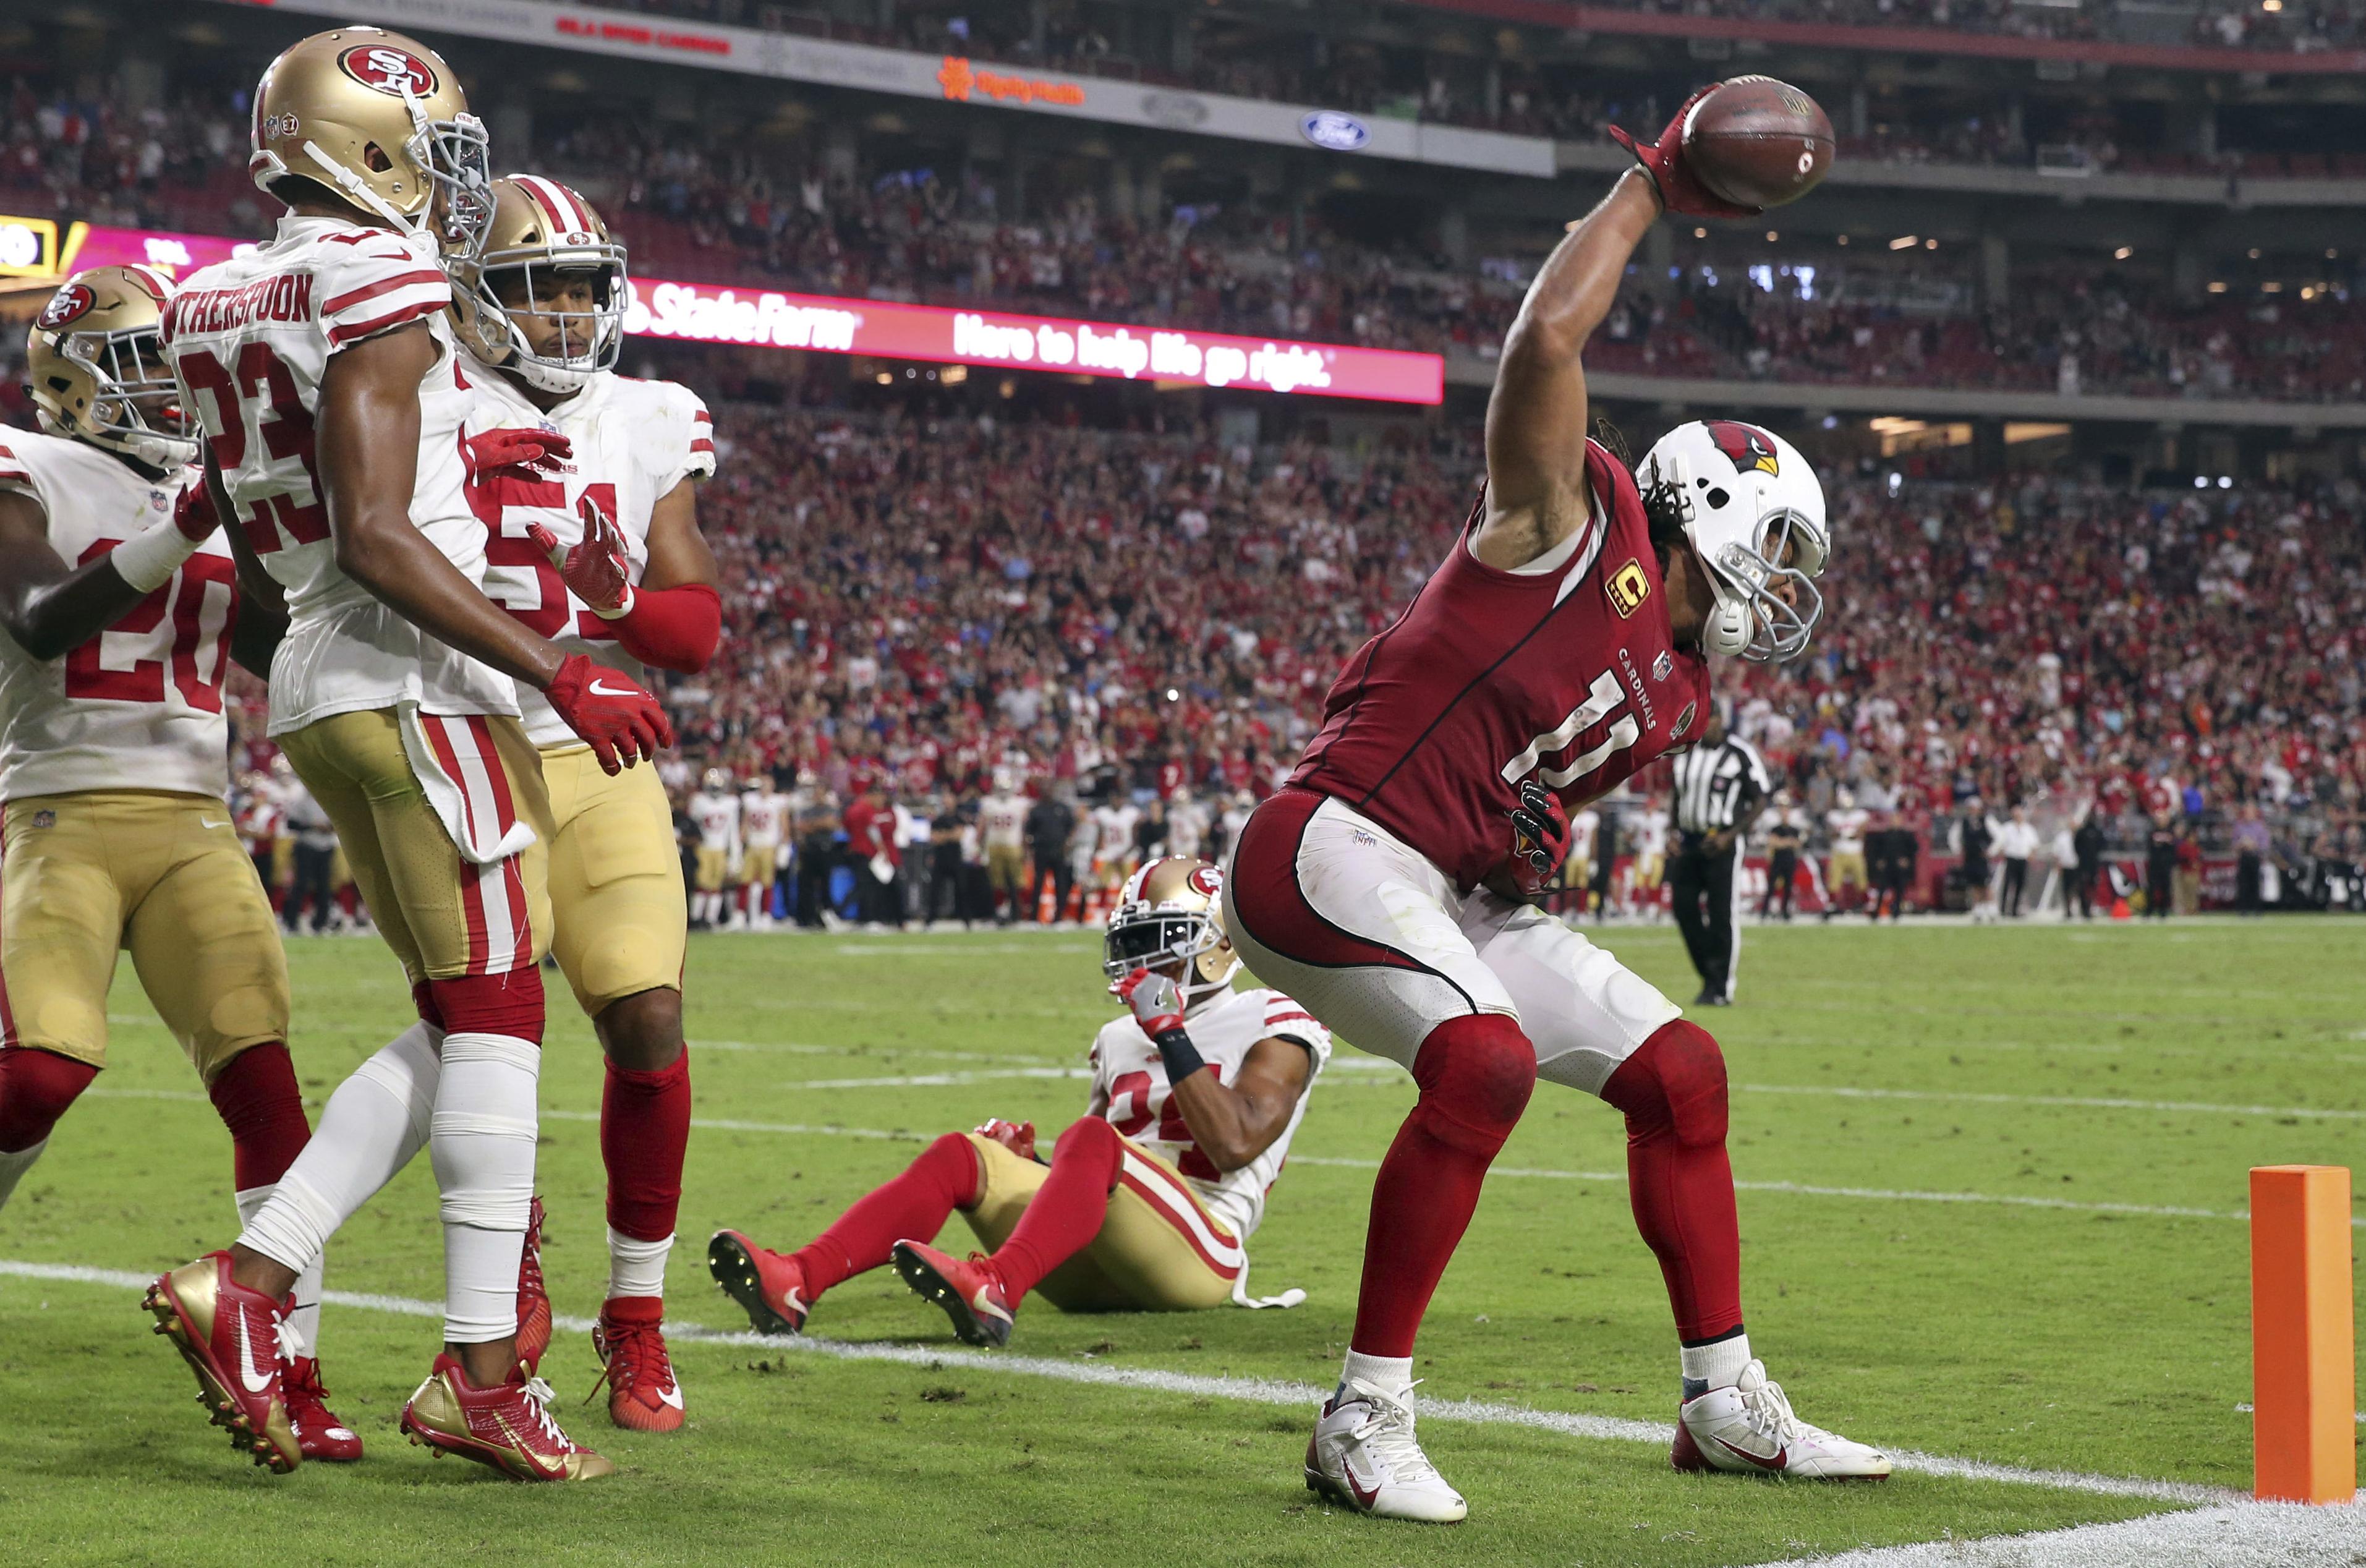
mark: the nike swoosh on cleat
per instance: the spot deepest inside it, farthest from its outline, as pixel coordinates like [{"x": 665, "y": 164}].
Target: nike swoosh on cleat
[
  {"x": 1365, "y": 1497},
  {"x": 1782, "y": 1456},
  {"x": 671, "y": 1394},
  {"x": 256, "y": 1381},
  {"x": 989, "y": 1308},
  {"x": 597, "y": 689}
]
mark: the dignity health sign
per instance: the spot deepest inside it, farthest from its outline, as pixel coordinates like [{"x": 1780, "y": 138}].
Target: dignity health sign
[{"x": 884, "y": 329}]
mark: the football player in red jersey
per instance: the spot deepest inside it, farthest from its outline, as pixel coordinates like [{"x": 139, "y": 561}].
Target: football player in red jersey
[{"x": 1391, "y": 885}]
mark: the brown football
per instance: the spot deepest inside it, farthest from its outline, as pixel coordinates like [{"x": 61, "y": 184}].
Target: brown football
[{"x": 1757, "y": 142}]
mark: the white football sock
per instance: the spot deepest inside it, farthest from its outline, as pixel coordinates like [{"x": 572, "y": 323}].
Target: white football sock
[
  {"x": 14, "y": 1166},
  {"x": 1390, "y": 1374},
  {"x": 373, "y": 1124},
  {"x": 635, "y": 1268},
  {"x": 1716, "y": 1365},
  {"x": 482, "y": 1144},
  {"x": 304, "y": 1318}
]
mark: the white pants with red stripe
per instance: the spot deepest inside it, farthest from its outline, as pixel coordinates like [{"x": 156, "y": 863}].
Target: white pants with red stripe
[{"x": 1327, "y": 904}]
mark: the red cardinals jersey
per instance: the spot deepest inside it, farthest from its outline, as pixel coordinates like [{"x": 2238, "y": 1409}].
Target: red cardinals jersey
[{"x": 1570, "y": 673}]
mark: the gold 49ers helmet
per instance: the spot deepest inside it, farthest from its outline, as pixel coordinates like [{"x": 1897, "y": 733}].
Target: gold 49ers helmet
[
  {"x": 96, "y": 369},
  {"x": 380, "y": 120},
  {"x": 542, "y": 233},
  {"x": 1170, "y": 909}
]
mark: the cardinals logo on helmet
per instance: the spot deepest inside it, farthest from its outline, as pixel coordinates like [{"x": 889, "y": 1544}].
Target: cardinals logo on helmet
[
  {"x": 385, "y": 69},
  {"x": 1749, "y": 446},
  {"x": 65, "y": 305}
]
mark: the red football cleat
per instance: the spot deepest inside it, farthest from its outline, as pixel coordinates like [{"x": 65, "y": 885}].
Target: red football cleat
[
  {"x": 320, "y": 1432},
  {"x": 231, "y": 1335},
  {"x": 629, "y": 1339},
  {"x": 970, "y": 1292},
  {"x": 508, "y": 1426},
  {"x": 769, "y": 1286},
  {"x": 533, "y": 1301}
]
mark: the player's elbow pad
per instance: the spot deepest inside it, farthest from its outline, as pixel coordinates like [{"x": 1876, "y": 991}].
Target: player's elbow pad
[{"x": 673, "y": 628}]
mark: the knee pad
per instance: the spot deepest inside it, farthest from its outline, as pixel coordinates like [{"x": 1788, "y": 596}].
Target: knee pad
[
  {"x": 483, "y": 1129},
  {"x": 508, "y": 1004},
  {"x": 1676, "y": 1083},
  {"x": 36, "y": 1087},
  {"x": 1476, "y": 1073},
  {"x": 407, "y": 1069}
]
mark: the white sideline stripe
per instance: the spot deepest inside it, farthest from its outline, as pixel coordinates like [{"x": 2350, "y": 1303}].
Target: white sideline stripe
[
  {"x": 1794, "y": 1189},
  {"x": 1256, "y": 1391},
  {"x": 940, "y": 1080},
  {"x": 2083, "y": 1103},
  {"x": 2234, "y": 1535}
]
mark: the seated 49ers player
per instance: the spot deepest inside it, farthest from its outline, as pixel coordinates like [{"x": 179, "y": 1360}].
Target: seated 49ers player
[
  {"x": 1391, "y": 884},
  {"x": 117, "y": 593},
  {"x": 1147, "y": 1204}
]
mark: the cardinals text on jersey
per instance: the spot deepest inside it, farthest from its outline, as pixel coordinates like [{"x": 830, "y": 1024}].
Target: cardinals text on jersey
[
  {"x": 633, "y": 441},
  {"x": 1130, "y": 1079},
  {"x": 1566, "y": 671},
  {"x": 250, "y": 340},
  {"x": 140, "y": 706}
]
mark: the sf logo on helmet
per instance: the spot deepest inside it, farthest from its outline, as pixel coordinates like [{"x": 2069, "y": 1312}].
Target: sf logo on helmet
[
  {"x": 388, "y": 70},
  {"x": 65, "y": 305},
  {"x": 1749, "y": 446}
]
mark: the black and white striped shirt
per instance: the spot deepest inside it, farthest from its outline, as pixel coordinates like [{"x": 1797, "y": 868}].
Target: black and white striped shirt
[{"x": 1714, "y": 782}]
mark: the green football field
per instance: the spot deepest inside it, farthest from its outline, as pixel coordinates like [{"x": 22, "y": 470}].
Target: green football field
[{"x": 1993, "y": 1183}]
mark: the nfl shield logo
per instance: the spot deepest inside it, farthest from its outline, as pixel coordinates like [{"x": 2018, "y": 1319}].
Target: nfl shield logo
[
  {"x": 45, "y": 819},
  {"x": 1661, "y": 665}
]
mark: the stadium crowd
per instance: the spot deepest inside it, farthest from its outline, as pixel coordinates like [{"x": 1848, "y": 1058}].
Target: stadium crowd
[{"x": 927, "y": 608}]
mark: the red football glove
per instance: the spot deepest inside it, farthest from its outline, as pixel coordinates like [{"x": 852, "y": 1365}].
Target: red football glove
[
  {"x": 515, "y": 454},
  {"x": 1156, "y": 1001},
  {"x": 1019, "y": 1137},
  {"x": 597, "y": 568},
  {"x": 1664, "y": 165},
  {"x": 623, "y": 723},
  {"x": 194, "y": 514},
  {"x": 1540, "y": 839}
]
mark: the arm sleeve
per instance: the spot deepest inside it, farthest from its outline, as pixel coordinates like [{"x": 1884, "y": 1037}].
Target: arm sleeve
[
  {"x": 673, "y": 628},
  {"x": 380, "y": 282}
]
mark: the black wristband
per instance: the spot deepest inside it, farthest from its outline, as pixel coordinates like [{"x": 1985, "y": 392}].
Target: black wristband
[{"x": 1182, "y": 1059}]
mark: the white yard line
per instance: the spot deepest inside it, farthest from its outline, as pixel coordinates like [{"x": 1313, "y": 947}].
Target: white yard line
[
  {"x": 2233, "y": 1535},
  {"x": 1256, "y": 1391},
  {"x": 2078, "y": 1102}
]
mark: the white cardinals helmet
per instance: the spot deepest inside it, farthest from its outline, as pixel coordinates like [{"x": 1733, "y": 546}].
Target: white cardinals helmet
[{"x": 1754, "y": 512}]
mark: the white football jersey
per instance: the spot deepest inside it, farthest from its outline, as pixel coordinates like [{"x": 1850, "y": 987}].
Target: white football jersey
[
  {"x": 1583, "y": 828},
  {"x": 1187, "y": 829},
  {"x": 1002, "y": 819},
  {"x": 717, "y": 817},
  {"x": 763, "y": 818},
  {"x": 1114, "y": 827},
  {"x": 250, "y": 340},
  {"x": 140, "y": 706},
  {"x": 1847, "y": 825},
  {"x": 633, "y": 441},
  {"x": 1651, "y": 834},
  {"x": 1130, "y": 1091}
]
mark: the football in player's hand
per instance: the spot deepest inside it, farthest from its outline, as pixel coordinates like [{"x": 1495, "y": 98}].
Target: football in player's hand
[{"x": 1757, "y": 142}]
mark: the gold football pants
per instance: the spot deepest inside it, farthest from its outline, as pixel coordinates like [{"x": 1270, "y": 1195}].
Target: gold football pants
[
  {"x": 1159, "y": 1249},
  {"x": 616, "y": 900}
]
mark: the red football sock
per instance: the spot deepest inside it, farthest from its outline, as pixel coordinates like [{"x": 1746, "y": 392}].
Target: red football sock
[
  {"x": 1672, "y": 1091},
  {"x": 914, "y": 1206},
  {"x": 36, "y": 1087},
  {"x": 643, "y": 1131},
  {"x": 1475, "y": 1074},
  {"x": 258, "y": 1099},
  {"x": 1066, "y": 1211}
]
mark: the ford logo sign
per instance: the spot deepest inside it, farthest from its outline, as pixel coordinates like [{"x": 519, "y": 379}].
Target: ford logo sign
[{"x": 1339, "y": 132}]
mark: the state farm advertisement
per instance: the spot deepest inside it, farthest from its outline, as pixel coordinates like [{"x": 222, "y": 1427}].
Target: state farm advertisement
[
  {"x": 884, "y": 329},
  {"x": 707, "y": 313}
]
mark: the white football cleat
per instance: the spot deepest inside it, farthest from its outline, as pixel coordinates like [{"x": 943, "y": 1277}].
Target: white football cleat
[
  {"x": 1749, "y": 1427},
  {"x": 1363, "y": 1456}
]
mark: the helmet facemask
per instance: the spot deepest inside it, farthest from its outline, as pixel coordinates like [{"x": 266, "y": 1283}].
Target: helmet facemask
[
  {"x": 135, "y": 405},
  {"x": 1191, "y": 940},
  {"x": 528, "y": 283},
  {"x": 457, "y": 156},
  {"x": 1752, "y": 619}
]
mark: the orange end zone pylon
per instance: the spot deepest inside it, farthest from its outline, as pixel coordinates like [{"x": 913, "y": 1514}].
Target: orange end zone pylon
[{"x": 2304, "y": 1336}]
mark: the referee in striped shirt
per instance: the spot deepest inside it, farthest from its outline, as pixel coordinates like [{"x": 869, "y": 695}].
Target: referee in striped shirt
[{"x": 1720, "y": 788}]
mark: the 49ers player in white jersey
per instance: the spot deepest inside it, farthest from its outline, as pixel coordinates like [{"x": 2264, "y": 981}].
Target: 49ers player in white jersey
[
  {"x": 1147, "y": 1204},
  {"x": 605, "y": 558},
  {"x": 338, "y": 451},
  {"x": 1393, "y": 883},
  {"x": 118, "y": 594}
]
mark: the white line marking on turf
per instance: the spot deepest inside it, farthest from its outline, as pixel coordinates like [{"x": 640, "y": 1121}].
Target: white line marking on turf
[
  {"x": 940, "y": 1080},
  {"x": 1256, "y": 1391},
  {"x": 2235, "y": 1535},
  {"x": 1793, "y": 1188},
  {"x": 2083, "y": 1103}
]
